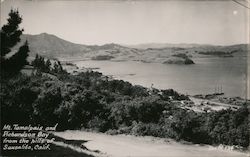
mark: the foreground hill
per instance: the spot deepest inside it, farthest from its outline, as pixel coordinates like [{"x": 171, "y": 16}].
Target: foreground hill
[{"x": 52, "y": 46}]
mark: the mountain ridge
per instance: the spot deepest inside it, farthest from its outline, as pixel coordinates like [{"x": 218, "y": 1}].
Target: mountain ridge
[
  {"x": 138, "y": 46},
  {"x": 51, "y": 46}
]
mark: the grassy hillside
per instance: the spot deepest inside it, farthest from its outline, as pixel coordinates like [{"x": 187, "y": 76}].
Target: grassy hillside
[{"x": 53, "y": 47}]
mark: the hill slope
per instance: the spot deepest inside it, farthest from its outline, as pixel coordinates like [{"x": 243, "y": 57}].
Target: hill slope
[{"x": 52, "y": 46}]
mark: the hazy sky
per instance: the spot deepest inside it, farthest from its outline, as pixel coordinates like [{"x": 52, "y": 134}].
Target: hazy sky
[{"x": 133, "y": 22}]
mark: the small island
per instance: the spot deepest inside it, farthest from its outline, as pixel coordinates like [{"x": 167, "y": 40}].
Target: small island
[
  {"x": 180, "y": 58},
  {"x": 102, "y": 57}
]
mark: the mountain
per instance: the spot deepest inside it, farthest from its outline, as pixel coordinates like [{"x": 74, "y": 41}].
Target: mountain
[{"x": 51, "y": 46}]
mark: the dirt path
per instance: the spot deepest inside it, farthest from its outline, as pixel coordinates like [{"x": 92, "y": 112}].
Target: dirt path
[
  {"x": 130, "y": 146},
  {"x": 198, "y": 101}
]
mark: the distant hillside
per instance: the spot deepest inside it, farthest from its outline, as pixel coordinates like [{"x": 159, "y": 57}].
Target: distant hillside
[
  {"x": 220, "y": 51},
  {"x": 52, "y": 46},
  {"x": 164, "y": 45},
  {"x": 182, "y": 45}
]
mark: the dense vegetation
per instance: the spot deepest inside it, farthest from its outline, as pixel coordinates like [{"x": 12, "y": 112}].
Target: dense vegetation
[
  {"x": 91, "y": 100},
  {"x": 45, "y": 65}
]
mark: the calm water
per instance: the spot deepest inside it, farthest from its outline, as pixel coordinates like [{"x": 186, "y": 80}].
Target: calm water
[{"x": 200, "y": 78}]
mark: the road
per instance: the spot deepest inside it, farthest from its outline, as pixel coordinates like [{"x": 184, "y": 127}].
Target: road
[
  {"x": 131, "y": 146},
  {"x": 217, "y": 105}
]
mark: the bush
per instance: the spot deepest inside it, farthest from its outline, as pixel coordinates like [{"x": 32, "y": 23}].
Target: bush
[
  {"x": 89, "y": 101},
  {"x": 147, "y": 129}
]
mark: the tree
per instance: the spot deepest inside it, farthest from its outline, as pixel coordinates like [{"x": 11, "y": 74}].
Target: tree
[
  {"x": 36, "y": 61},
  {"x": 47, "y": 65},
  {"x": 10, "y": 36},
  {"x": 58, "y": 68},
  {"x": 40, "y": 64},
  {"x": 16, "y": 62}
]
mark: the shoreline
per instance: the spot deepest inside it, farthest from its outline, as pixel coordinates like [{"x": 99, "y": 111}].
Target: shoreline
[{"x": 73, "y": 68}]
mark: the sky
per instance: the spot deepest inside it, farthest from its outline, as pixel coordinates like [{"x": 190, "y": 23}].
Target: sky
[{"x": 134, "y": 22}]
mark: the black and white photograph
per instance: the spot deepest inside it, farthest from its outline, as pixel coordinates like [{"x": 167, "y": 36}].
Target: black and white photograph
[{"x": 125, "y": 78}]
